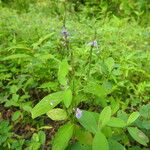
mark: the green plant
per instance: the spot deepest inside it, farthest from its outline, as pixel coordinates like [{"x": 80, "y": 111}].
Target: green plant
[{"x": 87, "y": 82}]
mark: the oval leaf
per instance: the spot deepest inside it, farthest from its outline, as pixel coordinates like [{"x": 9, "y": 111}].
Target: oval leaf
[
  {"x": 62, "y": 137},
  {"x": 133, "y": 117},
  {"x": 89, "y": 121},
  {"x": 138, "y": 135},
  {"x": 114, "y": 145},
  {"x": 57, "y": 114},
  {"x": 104, "y": 116},
  {"x": 100, "y": 142}
]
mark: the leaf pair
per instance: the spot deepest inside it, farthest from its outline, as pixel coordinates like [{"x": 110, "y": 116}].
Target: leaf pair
[{"x": 50, "y": 101}]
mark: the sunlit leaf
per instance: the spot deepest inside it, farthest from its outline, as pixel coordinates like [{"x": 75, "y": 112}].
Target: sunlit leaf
[
  {"x": 133, "y": 117},
  {"x": 57, "y": 114}
]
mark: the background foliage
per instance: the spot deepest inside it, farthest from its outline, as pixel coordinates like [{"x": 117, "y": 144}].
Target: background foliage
[{"x": 38, "y": 74}]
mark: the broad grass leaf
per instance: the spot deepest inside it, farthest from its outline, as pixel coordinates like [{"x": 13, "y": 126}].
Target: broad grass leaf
[
  {"x": 46, "y": 104},
  {"x": 104, "y": 116},
  {"x": 17, "y": 56},
  {"x": 89, "y": 121},
  {"x": 57, "y": 114},
  {"x": 63, "y": 71},
  {"x": 133, "y": 117},
  {"x": 114, "y": 145},
  {"x": 67, "y": 98},
  {"x": 138, "y": 135},
  {"x": 42, "y": 40},
  {"x": 116, "y": 122},
  {"x": 62, "y": 137},
  {"x": 100, "y": 142}
]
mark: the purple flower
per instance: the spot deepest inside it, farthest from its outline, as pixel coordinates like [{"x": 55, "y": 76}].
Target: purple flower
[
  {"x": 93, "y": 43},
  {"x": 78, "y": 113},
  {"x": 64, "y": 32}
]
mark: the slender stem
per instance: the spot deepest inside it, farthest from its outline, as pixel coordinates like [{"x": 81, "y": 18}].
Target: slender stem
[{"x": 90, "y": 61}]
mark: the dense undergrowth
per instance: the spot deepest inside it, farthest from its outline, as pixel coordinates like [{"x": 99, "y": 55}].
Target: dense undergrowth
[{"x": 76, "y": 82}]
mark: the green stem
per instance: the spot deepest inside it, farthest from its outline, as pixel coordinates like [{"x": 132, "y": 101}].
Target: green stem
[{"x": 90, "y": 61}]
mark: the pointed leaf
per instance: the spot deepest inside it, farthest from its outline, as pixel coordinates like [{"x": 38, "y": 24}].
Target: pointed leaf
[
  {"x": 104, "y": 116},
  {"x": 110, "y": 63},
  {"x": 100, "y": 142},
  {"x": 67, "y": 99},
  {"x": 46, "y": 104},
  {"x": 138, "y": 135},
  {"x": 133, "y": 117},
  {"x": 63, "y": 71},
  {"x": 62, "y": 137}
]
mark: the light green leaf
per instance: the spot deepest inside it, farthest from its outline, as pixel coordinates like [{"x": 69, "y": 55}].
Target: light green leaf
[
  {"x": 138, "y": 135},
  {"x": 16, "y": 115},
  {"x": 104, "y": 116},
  {"x": 133, "y": 117},
  {"x": 114, "y": 106},
  {"x": 89, "y": 121},
  {"x": 100, "y": 142},
  {"x": 62, "y": 137},
  {"x": 45, "y": 127},
  {"x": 57, "y": 114},
  {"x": 116, "y": 122},
  {"x": 63, "y": 71},
  {"x": 46, "y": 104},
  {"x": 67, "y": 99}
]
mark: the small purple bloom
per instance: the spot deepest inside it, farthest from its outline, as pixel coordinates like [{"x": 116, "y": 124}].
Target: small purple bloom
[
  {"x": 64, "y": 31},
  {"x": 78, "y": 113},
  {"x": 93, "y": 43}
]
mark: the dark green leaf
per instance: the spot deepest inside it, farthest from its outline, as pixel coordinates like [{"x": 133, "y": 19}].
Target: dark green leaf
[
  {"x": 62, "y": 137},
  {"x": 138, "y": 135},
  {"x": 100, "y": 142},
  {"x": 116, "y": 122}
]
